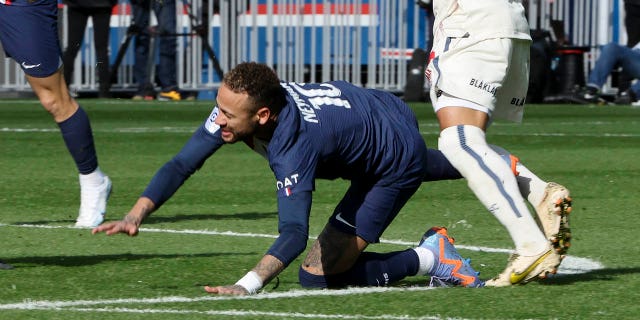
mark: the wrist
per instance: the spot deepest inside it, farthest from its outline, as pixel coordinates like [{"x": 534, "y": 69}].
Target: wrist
[{"x": 250, "y": 282}]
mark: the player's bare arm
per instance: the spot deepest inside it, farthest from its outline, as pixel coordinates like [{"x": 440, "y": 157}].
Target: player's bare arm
[
  {"x": 267, "y": 269},
  {"x": 131, "y": 222}
]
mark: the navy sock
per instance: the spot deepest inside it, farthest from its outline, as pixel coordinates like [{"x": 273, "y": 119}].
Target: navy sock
[
  {"x": 439, "y": 167},
  {"x": 76, "y": 132},
  {"x": 371, "y": 269},
  {"x": 308, "y": 280}
]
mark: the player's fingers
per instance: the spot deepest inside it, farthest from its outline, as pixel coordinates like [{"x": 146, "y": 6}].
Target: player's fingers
[
  {"x": 226, "y": 290},
  {"x": 101, "y": 228},
  {"x": 211, "y": 289},
  {"x": 116, "y": 227},
  {"x": 133, "y": 231},
  {"x": 113, "y": 230}
]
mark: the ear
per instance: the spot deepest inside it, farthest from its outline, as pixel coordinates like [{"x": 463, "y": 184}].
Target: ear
[{"x": 263, "y": 114}]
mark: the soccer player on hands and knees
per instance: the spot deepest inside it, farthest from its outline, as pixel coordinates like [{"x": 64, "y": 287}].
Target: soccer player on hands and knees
[
  {"x": 309, "y": 131},
  {"x": 29, "y": 35},
  {"x": 479, "y": 70}
]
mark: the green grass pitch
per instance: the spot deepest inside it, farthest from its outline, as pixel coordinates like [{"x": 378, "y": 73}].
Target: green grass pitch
[{"x": 224, "y": 218}]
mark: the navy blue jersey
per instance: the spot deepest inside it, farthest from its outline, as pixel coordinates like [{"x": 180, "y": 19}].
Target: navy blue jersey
[
  {"x": 328, "y": 130},
  {"x": 337, "y": 130}
]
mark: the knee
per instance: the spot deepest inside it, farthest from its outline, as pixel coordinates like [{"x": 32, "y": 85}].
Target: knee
[
  {"x": 50, "y": 102},
  {"x": 610, "y": 49},
  {"x": 59, "y": 107}
]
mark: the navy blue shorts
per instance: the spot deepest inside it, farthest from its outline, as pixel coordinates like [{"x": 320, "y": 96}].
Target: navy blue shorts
[
  {"x": 367, "y": 209},
  {"x": 29, "y": 35}
]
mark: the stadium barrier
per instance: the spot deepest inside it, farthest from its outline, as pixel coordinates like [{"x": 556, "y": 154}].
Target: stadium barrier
[{"x": 367, "y": 42}]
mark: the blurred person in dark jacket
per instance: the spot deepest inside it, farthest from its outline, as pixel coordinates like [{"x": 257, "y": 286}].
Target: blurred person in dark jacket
[
  {"x": 78, "y": 14},
  {"x": 632, "y": 21},
  {"x": 166, "y": 14},
  {"x": 614, "y": 55}
]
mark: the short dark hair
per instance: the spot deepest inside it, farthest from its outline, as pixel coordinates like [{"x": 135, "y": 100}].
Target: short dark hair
[{"x": 260, "y": 82}]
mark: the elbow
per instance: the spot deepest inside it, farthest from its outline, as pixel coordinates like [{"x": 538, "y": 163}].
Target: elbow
[{"x": 289, "y": 245}]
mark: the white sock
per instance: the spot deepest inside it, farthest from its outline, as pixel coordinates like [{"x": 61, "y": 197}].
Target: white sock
[
  {"x": 530, "y": 185},
  {"x": 493, "y": 182},
  {"x": 94, "y": 178},
  {"x": 427, "y": 260}
]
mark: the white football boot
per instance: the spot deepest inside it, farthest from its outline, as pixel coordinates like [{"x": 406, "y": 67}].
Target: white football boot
[
  {"x": 553, "y": 216},
  {"x": 524, "y": 269},
  {"x": 93, "y": 203}
]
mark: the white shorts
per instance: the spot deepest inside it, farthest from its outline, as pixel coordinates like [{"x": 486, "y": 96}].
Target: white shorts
[{"x": 492, "y": 74}]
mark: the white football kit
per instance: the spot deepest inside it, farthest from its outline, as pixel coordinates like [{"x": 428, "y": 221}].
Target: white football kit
[
  {"x": 480, "y": 56},
  {"x": 480, "y": 60}
]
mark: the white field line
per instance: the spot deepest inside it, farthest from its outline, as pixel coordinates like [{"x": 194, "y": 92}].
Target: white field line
[
  {"x": 166, "y": 129},
  {"x": 116, "y": 130},
  {"x": 297, "y": 293},
  {"x": 570, "y": 265},
  {"x": 118, "y": 102},
  {"x": 241, "y": 313}
]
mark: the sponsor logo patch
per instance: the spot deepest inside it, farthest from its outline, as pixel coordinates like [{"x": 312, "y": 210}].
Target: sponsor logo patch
[
  {"x": 211, "y": 125},
  {"x": 287, "y": 183}
]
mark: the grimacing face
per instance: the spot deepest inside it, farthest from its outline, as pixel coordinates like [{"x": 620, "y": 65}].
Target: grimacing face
[{"x": 236, "y": 119}]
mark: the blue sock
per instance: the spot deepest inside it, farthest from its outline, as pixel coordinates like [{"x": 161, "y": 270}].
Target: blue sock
[
  {"x": 76, "y": 132},
  {"x": 308, "y": 280},
  {"x": 371, "y": 269},
  {"x": 439, "y": 167}
]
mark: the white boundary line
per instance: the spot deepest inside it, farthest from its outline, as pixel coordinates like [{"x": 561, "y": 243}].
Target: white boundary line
[
  {"x": 240, "y": 313},
  {"x": 191, "y": 129},
  {"x": 78, "y": 304},
  {"x": 570, "y": 264},
  {"x": 297, "y": 293}
]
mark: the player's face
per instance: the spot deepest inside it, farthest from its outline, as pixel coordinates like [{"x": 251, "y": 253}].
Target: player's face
[{"x": 236, "y": 120}]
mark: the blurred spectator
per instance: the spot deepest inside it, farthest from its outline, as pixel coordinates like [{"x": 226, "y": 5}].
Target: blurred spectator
[
  {"x": 165, "y": 11},
  {"x": 427, "y": 5},
  {"x": 78, "y": 14},
  {"x": 612, "y": 55},
  {"x": 632, "y": 26},
  {"x": 632, "y": 21}
]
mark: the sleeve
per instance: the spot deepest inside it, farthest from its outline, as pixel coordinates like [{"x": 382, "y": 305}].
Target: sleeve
[
  {"x": 294, "y": 168},
  {"x": 170, "y": 177},
  {"x": 293, "y": 226}
]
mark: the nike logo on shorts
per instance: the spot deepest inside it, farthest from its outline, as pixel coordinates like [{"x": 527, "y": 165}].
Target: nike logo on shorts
[
  {"x": 341, "y": 219},
  {"x": 30, "y": 66}
]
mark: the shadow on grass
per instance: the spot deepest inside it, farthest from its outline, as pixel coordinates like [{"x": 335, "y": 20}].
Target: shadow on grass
[
  {"x": 215, "y": 217},
  {"x": 600, "y": 274},
  {"x": 176, "y": 218},
  {"x": 560, "y": 279},
  {"x": 76, "y": 261}
]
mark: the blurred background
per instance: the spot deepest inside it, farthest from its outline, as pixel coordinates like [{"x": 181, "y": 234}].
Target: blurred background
[{"x": 379, "y": 44}]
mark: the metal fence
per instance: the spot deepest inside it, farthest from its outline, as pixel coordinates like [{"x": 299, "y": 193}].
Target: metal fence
[{"x": 367, "y": 42}]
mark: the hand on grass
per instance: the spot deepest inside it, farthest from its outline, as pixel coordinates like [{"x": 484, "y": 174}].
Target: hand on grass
[
  {"x": 111, "y": 228},
  {"x": 227, "y": 290}
]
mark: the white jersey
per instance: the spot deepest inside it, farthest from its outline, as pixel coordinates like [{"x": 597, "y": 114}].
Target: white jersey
[{"x": 480, "y": 19}]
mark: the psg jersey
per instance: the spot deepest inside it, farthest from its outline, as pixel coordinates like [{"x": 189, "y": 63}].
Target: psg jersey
[{"x": 338, "y": 130}]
